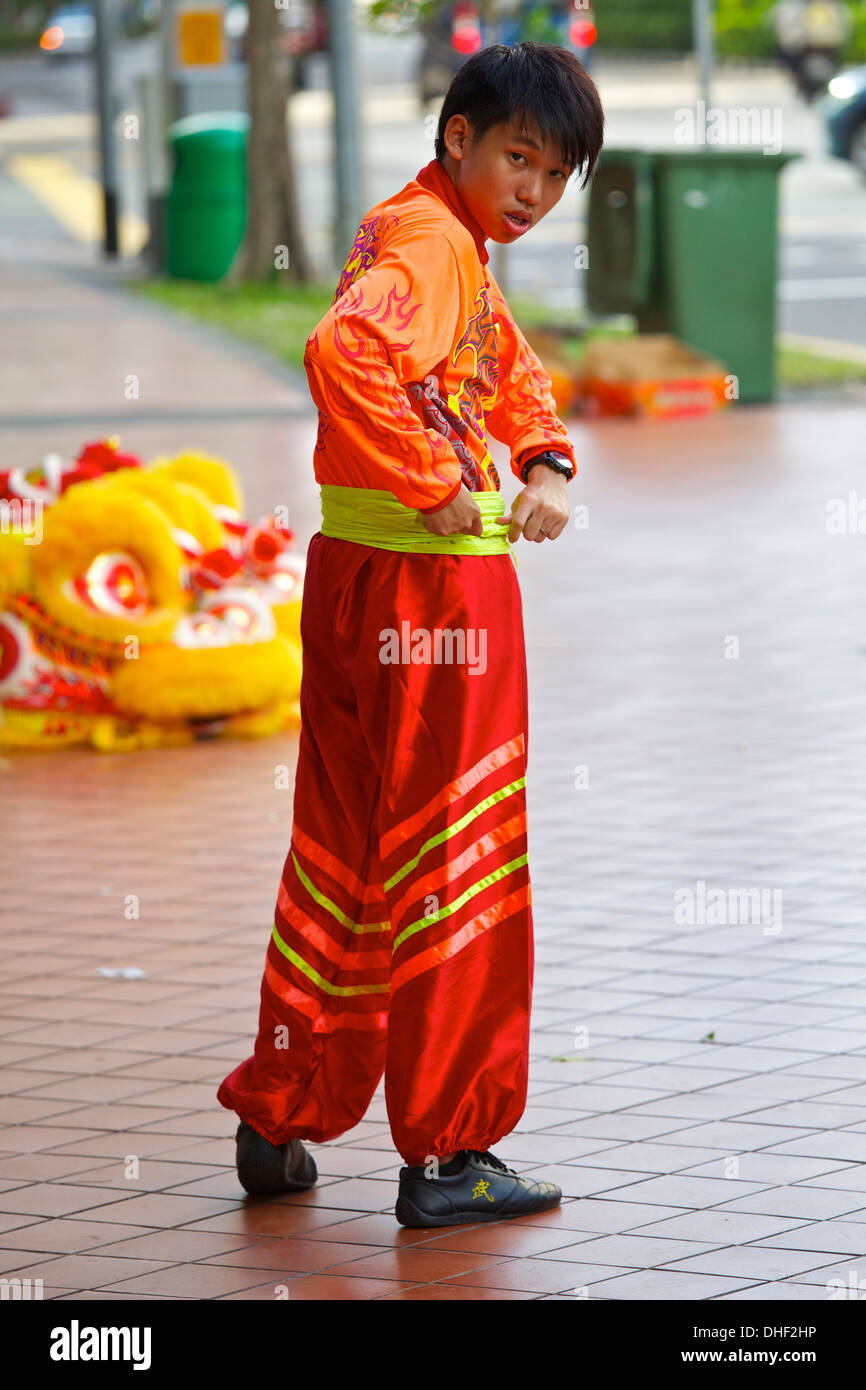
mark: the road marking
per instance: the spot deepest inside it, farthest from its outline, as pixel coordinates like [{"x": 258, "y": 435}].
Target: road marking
[
  {"x": 800, "y": 256},
  {"x": 838, "y": 224},
  {"x": 74, "y": 200},
  {"x": 839, "y": 287}
]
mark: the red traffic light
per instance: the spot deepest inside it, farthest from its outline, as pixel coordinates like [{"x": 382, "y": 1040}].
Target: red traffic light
[
  {"x": 582, "y": 33},
  {"x": 466, "y": 36}
]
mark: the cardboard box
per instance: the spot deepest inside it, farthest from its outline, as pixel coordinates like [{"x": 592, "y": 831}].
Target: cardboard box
[{"x": 651, "y": 374}]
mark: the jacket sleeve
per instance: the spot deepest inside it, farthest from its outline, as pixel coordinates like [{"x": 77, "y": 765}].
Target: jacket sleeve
[
  {"x": 393, "y": 324},
  {"x": 524, "y": 413}
]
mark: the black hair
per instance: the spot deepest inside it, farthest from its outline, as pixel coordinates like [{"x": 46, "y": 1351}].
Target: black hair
[{"x": 541, "y": 81}]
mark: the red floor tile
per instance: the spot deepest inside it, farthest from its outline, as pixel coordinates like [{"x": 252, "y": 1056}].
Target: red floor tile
[{"x": 532, "y": 1275}]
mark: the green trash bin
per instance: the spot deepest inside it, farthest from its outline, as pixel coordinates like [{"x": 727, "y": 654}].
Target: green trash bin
[
  {"x": 206, "y": 207},
  {"x": 622, "y": 237},
  {"x": 686, "y": 241}
]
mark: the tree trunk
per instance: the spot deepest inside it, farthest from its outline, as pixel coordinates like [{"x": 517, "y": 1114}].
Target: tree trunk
[{"x": 273, "y": 245}]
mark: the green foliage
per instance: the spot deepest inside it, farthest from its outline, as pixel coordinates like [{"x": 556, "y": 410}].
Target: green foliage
[
  {"x": 29, "y": 14},
  {"x": 622, "y": 24},
  {"x": 741, "y": 26},
  {"x": 21, "y": 23},
  {"x": 538, "y": 27},
  {"x": 798, "y": 369},
  {"x": 744, "y": 31},
  {"x": 397, "y": 16},
  {"x": 634, "y": 25}
]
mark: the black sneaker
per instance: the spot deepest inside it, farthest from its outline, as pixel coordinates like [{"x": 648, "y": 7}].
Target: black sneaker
[
  {"x": 481, "y": 1189},
  {"x": 263, "y": 1168}
]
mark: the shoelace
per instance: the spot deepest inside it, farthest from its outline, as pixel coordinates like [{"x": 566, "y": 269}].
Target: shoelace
[{"x": 491, "y": 1159}]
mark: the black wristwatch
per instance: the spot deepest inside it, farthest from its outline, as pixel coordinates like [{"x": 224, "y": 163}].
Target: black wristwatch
[{"x": 558, "y": 462}]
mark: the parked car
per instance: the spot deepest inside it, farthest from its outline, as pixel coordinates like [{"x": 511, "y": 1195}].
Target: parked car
[
  {"x": 70, "y": 32},
  {"x": 844, "y": 111}
]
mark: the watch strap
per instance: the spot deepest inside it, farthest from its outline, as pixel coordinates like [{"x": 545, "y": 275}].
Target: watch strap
[{"x": 558, "y": 462}]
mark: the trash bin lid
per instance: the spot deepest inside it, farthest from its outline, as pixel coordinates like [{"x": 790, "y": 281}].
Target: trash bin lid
[
  {"x": 706, "y": 155},
  {"x": 701, "y": 154},
  {"x": 226, "y": 128}
]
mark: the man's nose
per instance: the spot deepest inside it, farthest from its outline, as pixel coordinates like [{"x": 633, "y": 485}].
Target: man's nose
[{"x": 530, "y": 192}]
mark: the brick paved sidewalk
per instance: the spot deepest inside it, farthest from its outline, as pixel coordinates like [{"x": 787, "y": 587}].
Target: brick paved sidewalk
[{"x": 698, "y": 1087}]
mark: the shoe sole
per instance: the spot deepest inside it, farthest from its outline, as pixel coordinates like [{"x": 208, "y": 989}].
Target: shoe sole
[
  {"x": 277, "y": 1191},
  {"x": 275, "y": 1187},
  {"x": 409, "y": 1215}
]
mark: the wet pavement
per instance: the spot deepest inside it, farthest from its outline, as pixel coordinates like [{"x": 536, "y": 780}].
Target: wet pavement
[{"x": 697, "y": 667}]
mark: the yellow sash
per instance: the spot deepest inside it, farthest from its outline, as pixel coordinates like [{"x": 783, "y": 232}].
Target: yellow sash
[{"x": 370, "y": 517}]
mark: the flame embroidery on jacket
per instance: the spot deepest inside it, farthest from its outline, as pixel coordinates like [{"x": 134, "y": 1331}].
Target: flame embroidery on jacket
[
  {"x": 365, "y": 249},
  {"x": 479, "y": 371},
  {"x": 444, "y": 417},
  {"x": 473, "y": 358},
  {"x": 453, "y": 416},
  {"x": 372, "y": 356}
]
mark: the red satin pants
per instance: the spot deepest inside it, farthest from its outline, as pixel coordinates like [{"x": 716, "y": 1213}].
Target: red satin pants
[{"x": 402, "y": 939}]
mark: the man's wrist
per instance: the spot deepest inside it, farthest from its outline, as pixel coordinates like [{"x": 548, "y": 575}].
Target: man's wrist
[
  {"x": 543, "y": 474},
  {"x": 438, "y": 506},
  {"x": 552, "y": 461}
]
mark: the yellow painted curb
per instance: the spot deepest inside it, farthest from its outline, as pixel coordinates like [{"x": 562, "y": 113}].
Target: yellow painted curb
[{"x": 74, "y": 199}]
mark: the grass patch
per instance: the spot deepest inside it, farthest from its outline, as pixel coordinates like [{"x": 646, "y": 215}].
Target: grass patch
[
  {"x": 281, "y": 318},
  {"x": 277, "y": 319},
  {"x": 800, "y": 370}
]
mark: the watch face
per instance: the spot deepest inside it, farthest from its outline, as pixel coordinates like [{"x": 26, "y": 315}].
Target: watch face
[
  {"x": 557, "y": 462},
  {"x": 554, "y": 458}
]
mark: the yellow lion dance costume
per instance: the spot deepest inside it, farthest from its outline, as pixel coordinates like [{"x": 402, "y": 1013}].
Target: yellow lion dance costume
[{"x": 139, "y": 609}]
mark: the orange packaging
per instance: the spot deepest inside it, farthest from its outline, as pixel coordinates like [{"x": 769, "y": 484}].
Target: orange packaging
[
  {"x": 651, "y": 374},
  {"x": 564, "y": 375}
]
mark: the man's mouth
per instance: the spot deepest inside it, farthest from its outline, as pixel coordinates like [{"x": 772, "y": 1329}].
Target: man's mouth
[{"x": 517, "y": 221}]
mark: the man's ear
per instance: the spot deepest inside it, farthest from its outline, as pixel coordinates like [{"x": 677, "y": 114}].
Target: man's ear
[{"x": 460, "y": 132}]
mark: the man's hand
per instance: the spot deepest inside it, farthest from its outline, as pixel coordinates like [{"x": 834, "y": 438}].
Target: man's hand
[
  {"x": 462, "y": 515},
  {"x": 541, "y": 511}
]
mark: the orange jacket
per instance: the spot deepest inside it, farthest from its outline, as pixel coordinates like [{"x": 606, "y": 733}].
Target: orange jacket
[{"x": 418, "y": 355}]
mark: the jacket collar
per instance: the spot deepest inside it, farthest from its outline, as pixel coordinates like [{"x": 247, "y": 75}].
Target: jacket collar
[{"x": 435, "y": 178}]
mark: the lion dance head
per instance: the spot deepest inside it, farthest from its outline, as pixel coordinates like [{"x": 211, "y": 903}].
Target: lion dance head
[{"x": 138, "y": 608}]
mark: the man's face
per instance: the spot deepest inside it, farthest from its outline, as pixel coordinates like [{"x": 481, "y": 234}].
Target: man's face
[{"x": 503, "y": 173}]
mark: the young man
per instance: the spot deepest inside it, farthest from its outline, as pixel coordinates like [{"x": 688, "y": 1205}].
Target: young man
[{"x": 402, "y": 939}]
